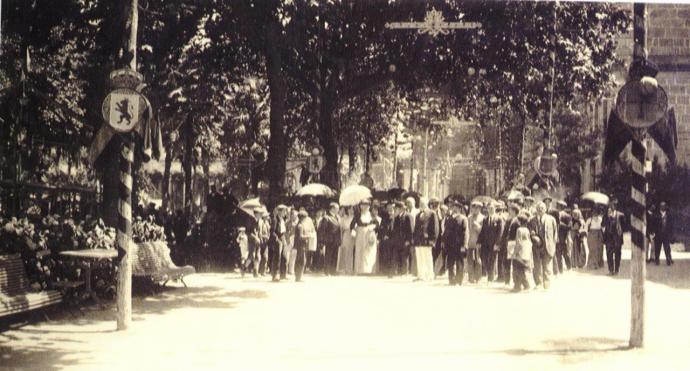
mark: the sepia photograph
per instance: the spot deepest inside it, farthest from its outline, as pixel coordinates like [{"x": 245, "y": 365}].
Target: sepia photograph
[{"x": 344, "y": 185}]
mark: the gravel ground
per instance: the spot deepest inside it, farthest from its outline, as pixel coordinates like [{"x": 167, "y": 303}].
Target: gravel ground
[{"x": 223, "y": 321}]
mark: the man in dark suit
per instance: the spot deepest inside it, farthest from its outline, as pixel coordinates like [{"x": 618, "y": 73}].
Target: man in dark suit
[
  {"x": 490, "y": 240},
  {"x": 613, "y": 226},
  {"x": 455, "y": 237},
  {"x": 329, "y": 230},
  {"x": 402, "y": 240},
  {"x": 663, "y": 234},
  {"x": 444, "y": 217}
]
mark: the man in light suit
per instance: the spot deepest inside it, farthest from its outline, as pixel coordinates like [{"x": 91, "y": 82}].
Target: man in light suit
[{"x": 544, "y": 233}]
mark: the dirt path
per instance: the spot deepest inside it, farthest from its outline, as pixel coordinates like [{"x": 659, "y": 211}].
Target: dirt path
[{"x": 224, "y": 322}]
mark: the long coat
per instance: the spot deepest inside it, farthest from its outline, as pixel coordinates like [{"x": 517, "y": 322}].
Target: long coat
[
  {"x": 547, "y": 232},
  {"x": 613, "y": 226},
  {"x": 402, "y": 229},
  {"x": 491, "y": 233},
  {"x": 456, "y": 234},
  {"x": 329, "y": 229}
]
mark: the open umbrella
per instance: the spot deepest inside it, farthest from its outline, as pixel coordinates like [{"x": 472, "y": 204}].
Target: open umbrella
[
  {"x": 483, "y": 199},
  {"x": 353, "y": 195},
  {"x": 250, "y": 205},
  {"x": 513, "y": 195},
  {"x": 316, "y": 190},
  {"x": 596, "y": 197}
]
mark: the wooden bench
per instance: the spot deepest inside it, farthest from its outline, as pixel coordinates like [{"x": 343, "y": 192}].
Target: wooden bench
[
  {"x": 152, "y": 259},
  {"x": 16, "y": 295}
]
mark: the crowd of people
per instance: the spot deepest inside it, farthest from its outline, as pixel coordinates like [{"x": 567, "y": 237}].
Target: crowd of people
[{"x": 521, "y": 243}]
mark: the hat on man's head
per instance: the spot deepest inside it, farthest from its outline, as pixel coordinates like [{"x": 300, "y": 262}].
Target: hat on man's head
[
  {"x": 529, "y": 198},
  {"x": 333, "y": 204},
  {"x": 366, "y": 201},
  {"x": 399, "y": 204},
  {"x": 562, "y": 204},
  {"x": 302, "y": 213},
  {"x": 476, "y": 204},
  {"x": 547, "y": 198},
  {"x": 434, "y": 201}
]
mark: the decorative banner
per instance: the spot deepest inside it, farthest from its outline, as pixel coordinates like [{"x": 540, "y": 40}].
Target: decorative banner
[
  {"x": 315, "y": 163},
  {"x": 434, "y": 24},
  {"x": 122, "y": 109}
]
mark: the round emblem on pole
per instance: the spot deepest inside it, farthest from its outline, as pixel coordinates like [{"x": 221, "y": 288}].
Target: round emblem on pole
[
  {"x": 640, "y": 104},
  {"x": 316, "y": 161},
  {"x": 122, "y": 109}
]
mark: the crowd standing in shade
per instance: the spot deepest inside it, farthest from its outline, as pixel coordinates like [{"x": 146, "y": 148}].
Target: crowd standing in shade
[{"x": 521, "y": 243}]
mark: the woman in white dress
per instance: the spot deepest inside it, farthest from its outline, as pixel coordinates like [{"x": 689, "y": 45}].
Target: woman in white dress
[
  {"x": 347, "y": 244},
  {"x": 364, "y": 227},
  {"x": 595, "y": 239}
]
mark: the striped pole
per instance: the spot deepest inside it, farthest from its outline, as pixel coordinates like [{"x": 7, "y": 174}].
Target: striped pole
[
  {"x": 124, "y": 235},
  {"x": 638, "y": 191}
]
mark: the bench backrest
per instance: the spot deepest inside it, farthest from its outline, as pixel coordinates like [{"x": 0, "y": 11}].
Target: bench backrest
[
  {"x": 162, "y": 250},
  {"x": 13, "y": 279}
]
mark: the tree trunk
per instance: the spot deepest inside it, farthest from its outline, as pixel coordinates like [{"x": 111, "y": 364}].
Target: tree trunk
[
  {"x": 188, "y": 164},
  {"x": 329, "y": 174},
  {"x": 206, "y": 163},
  {"x": 277, "y": 145},
  {"x": 165, "y": 192}
]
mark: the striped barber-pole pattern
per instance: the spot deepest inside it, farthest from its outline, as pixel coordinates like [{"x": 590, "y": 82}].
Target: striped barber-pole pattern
[
  {"x": 125, "y": 203},
  {"x": 638, "y": 190}
]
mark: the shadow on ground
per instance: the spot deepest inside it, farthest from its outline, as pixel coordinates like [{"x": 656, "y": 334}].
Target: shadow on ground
[
  {"x": 48, "y": 342},
  {"x": 676, "y": 276},
  {"x": 40, "y": 357},
  {"x": 573, "y": 350}
]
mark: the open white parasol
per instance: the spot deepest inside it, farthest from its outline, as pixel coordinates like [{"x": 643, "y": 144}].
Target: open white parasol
[
  {"x": 316, "y": 190},
  {"x": 353, "y": 195}
]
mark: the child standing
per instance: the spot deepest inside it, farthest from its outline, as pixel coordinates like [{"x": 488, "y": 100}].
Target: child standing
[
  {"x": 522, "y": 256},
  {"x": 243, "y": 243}
]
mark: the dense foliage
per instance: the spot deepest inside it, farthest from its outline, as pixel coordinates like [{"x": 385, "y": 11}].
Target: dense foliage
[{"x": 227, "y": 79}]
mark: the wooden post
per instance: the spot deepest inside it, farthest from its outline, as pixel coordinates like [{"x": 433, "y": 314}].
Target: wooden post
[
  {"x": 124, "y": 237},
  {"x": 638, "y": 213},
  {"x": 124, "y": 231}
]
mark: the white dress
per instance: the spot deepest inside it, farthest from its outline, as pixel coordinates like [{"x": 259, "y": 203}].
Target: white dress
[
  {"x": 365, "y": 245},
  {"x": 346, "y": 250}
]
